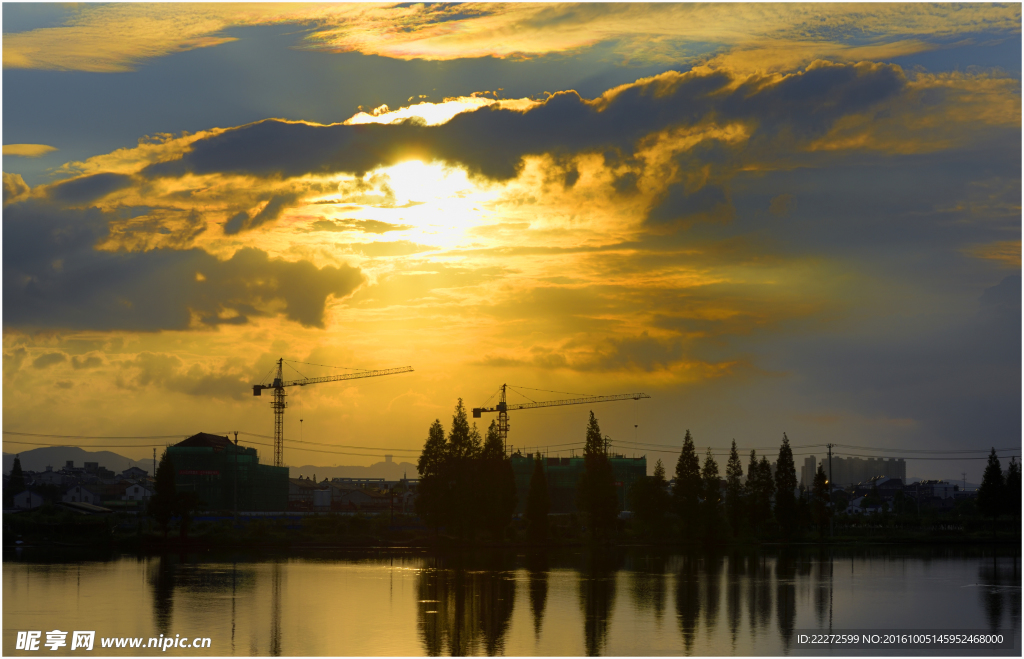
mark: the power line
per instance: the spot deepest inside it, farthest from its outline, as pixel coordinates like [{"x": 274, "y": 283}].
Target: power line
[
  {"x": 368, "y": 448},
  {"x": 33, "y": 434}
]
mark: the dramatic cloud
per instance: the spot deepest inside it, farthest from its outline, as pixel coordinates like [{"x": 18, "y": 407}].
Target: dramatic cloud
[{"x": 55, "y": 278}]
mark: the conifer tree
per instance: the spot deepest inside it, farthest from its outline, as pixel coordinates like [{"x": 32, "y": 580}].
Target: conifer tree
[
  {"x": 163, "y": 505},
  {"x": 464, "y": 446},
  {"x": 496, "y": 485},
  {"x": 760, "y": 490},
  {"x": 711, "y": 494},
  {"x": 596, "y": 497},
  {"x": 686, "y": 493},
  {"x": 785, "y": 486},
  {"x": 992, "y": 491},
  {"x": 433, "y": 492},
  {"x": 538, "y": 503},
  {"x": 16, "y": 483},
  {"x": 734, "y": 489}
]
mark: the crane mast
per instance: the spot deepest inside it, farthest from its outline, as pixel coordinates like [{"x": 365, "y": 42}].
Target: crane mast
[
  {"x": 503, "y": 407},
  {"x": 278, "y": 404}
]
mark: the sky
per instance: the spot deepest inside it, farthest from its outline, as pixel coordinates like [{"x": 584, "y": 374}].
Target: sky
[{"x": 793, "y": 218}]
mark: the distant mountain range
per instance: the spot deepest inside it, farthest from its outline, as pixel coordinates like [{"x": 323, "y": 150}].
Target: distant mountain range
[
  {"x": 38, "y": 459},
  {"x": 57, "y": 456}
]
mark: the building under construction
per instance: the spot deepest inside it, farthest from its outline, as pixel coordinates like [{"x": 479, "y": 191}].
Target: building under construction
[
  {"x": 224, "y": 475},
  {"x": 563, "y": 475}
]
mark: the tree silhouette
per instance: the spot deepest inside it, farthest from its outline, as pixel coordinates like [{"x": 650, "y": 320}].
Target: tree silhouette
[
  {"x": 711, "y": 494},
  {"x": 734, "y": 489},
  {"x": 686, "y": 494},
  {"x": 785, "y": 485},
  {"x": 496, "y": 486},
  {"x": 432, "y": 493},
  {"x": 163, "y": 504},
  {"x": 992, "y": 490},
  {"x": 596, "y": 497}
]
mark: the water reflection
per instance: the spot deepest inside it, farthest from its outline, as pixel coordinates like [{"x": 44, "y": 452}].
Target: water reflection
[
  {"x": 1000, "y": 591},
  {"x": 733, "y": 593},
  {"x": 712, "y": 578},
  {"x": 647, "y": 581},
  {"x": 537, "y": 564},
  {"x": 785, "y": 597},
  {"x": 759, "y": 602},
  {"x": 688, "y": 599},
  {"x": 161, "y": 578},
  {"x": 597, "y": 596},
  {"x": 738, "y": 602},
  {"x": 463, "y": 610}
]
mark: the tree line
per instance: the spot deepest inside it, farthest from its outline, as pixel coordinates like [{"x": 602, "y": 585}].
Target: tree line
[
  {"x": 765, "y": 502},
  {"x": 467, "y": 485}
]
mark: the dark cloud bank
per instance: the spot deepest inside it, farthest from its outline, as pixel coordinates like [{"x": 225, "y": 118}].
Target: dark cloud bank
[{"x": 54, "y": 277}]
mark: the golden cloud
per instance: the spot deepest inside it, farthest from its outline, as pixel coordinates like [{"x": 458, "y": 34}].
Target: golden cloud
[
  {"x": 110, "y": 38},
  {"x": 28, "y": 150}
]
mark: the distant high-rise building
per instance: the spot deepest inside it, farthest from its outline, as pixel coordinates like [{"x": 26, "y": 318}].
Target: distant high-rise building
[{"x": 807, "y": 472}]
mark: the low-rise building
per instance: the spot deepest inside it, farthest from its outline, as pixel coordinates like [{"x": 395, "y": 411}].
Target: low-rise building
[
  {"x": 27, "y": 500},
  {"x": 79, "y": 494},
  {"x": 224, "y": 475},
  {"x": 134, "y": 473},
  {"x": 136, "y": 492}
]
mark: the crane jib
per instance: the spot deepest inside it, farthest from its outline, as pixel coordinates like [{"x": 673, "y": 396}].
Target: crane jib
[{"x": 505, "y": 407}]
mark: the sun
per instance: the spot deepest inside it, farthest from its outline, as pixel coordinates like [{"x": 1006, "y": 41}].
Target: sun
[{"x": 438, "y": 201}]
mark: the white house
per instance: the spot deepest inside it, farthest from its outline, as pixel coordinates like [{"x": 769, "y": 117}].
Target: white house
[
  {"x": 79, "y": 494},
  {"x": 27, "y": 500},
  {"x": 136, "y": 493}
]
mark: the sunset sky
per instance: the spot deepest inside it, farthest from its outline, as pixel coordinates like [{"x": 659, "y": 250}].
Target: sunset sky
[{"x": 770, "y": 218}]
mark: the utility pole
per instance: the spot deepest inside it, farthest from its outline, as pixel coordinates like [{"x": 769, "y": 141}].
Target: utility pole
[
  {"x": 964, "y": 474},
  {"x": 831, "y": 508},
  {"x": 236, "y": 479}
]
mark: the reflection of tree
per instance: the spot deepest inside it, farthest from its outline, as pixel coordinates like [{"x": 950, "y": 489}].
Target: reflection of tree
[
  {"x": 688, "y": 599},
  {"x": 647, "y": 585},
  {"x": 732, "y": 594},
  {"x": 712, "y": 590},
  {"x": 823, "y": 587},
  {"x": 464, "y": 612},
  {"x": 161, "y": 577},
  {"x": 785, "y": 597},
  {"x": 597, "y": 595},
  {"x": 993, "y": 576},
  {"x": 760, "y": 600},
  {"x": 537, "y": 564}
]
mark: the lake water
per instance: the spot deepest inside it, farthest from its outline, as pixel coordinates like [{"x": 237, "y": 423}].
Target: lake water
[{"x": 634, "y": 601}]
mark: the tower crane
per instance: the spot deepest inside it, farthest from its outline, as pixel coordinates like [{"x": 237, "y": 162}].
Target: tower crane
[
  {"x": 503, "y": 408},
  {"x": 279, "y": 404}
]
